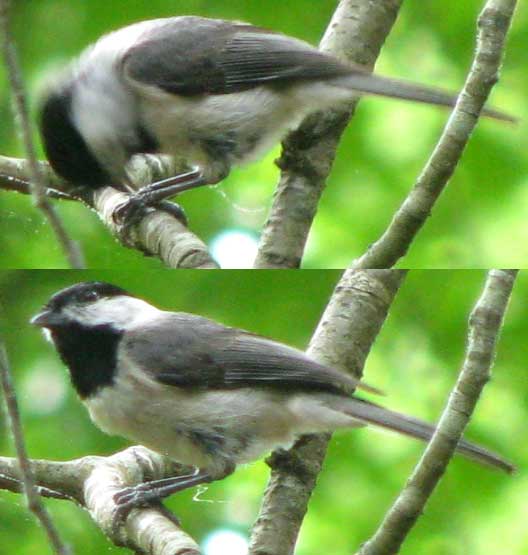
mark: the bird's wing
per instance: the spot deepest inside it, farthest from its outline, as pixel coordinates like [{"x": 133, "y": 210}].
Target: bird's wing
[
  {"x": 192, "y": 56},
  {"x": 190, "y": 351}
]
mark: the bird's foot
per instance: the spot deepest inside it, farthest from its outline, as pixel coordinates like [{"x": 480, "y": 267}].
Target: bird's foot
[{"x": 128, "y": 214}]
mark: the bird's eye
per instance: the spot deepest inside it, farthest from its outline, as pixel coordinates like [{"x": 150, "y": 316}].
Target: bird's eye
[{"x": 90, "y": 296}]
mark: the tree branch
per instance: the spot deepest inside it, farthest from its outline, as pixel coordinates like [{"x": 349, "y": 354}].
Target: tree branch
[
  {"x": 23, "y": 466},
  {"x": 343, "y": 339},
  {"x": 356, "y": 33},
  {"x": 493, "y": 25},
  {"x": 37, "y": 187},
  {"x": 92, "y": 482},
  {"x": 484, "y": 326},
  {"x": 158, "y": 234}
]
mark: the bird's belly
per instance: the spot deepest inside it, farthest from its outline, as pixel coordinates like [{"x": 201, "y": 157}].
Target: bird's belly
[
  {"x": 238, "y": 127},
  {"x": 146, "y": 422},
  {"x": 195, "y": 428}
]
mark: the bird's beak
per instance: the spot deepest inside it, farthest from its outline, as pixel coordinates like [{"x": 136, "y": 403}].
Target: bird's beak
[{"x": 48, "y": 319}]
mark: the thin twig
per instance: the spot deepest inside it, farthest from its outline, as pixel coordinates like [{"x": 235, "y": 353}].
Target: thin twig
[
  {"x": 17, "y": 486},
  {"x": 12, "y": 183},
  {"x": 32, "y": 493},
  {"x": 38, "y": 189},
  {"x": 493, "y": 25},
  {"x": 484, "y": 328}
]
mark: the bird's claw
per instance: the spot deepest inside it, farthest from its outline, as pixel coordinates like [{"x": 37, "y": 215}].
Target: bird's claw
[
  {"x": 134, "y": 497},
  {"x": 130, "y": 213}
]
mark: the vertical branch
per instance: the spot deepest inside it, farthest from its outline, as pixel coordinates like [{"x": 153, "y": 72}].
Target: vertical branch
[
  {"x": 356, "y": 33},
  {"x": 34, "y": 502},
  {"x": 484, "y": 326},
  {"x": 38, "y": 188},
  {"x": 346, "y": 332}
]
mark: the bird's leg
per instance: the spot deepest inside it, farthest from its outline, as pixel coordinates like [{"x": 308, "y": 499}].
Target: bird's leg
[
  {"x": 142, "y": 494},
  {"x": 134, "y": 209},
  {"x": 171, "y": 186},
  {"x": 151, "y": 493},
  {"x": 155, "y": 195}
]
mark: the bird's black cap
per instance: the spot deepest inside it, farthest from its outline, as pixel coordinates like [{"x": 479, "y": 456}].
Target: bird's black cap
[{"x": 84, "y": 292}]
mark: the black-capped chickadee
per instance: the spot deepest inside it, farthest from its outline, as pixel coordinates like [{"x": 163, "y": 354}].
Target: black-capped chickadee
[
  {"x": 217, "y": 93},
  {"x": 199, "y": 392}
]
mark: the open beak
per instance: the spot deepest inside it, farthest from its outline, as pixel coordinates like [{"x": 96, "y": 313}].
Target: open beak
[{"x": 48, "y": 319}]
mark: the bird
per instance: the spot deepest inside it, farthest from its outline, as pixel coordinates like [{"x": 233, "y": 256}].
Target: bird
[
  {"x": 217, "y": 93},
  {"x": 201, "y": 393}
]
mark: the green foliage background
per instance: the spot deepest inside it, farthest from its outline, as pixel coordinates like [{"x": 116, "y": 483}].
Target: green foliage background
[
  {"x": 415, "y": 361},
  {"x": 479, "y": 222}
]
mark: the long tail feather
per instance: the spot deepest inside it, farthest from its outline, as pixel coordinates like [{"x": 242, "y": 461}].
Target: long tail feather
[
  {"x": 374, "y": 414},
  {"x": 396, "y": 88}
]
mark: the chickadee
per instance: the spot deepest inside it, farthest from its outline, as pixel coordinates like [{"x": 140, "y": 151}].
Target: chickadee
[
  {"x": 217, "y": 93},
  {"x": 199, "y": 392}
]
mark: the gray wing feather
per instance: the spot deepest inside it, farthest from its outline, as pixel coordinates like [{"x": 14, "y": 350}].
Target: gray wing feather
[
  {"x": 190, "y": 351},
  {"x": 193, "y": 56},
  {"x": 256, "y": 358}
]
